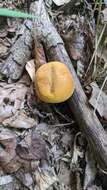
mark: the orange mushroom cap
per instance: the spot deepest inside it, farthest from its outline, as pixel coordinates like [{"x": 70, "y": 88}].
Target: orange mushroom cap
[{"x": 54, "y": 82}]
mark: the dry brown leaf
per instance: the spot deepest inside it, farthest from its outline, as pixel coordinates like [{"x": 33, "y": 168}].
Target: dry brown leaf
[
  {"x": 45, "y": 178},
  {"x": 12, "y": 97},
  {"x": 20, "y": 120},
  {"x": 25, "y": 178},
  {"x": 32, "y": 147},
  {"x": 8, "y": 161},
  {"x": 102, "y": 103},
  {"x": 75, "y": 53},
  {"x": 30, "y": 68},
  {"x": 26, "y": 154},
  {"x": 74, "y": 41}
]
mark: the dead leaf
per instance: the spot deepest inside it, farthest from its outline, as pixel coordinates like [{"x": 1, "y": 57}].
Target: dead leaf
[
  {"x": 45, "y": 178},
  {"x": 30, "y": 68},
  {"x": 25, "y": 178},
  {"x": 104, "y": 15},
  {"x": 102, "y": 48},
  {"x": 74, "y": 41},
  {"x": 26, "y": 154},
  {"x": 5, "y": 180},
  {"x": 20, "y": 120},
  {"x": 32, "y": 147},
  {"x": 8, "y": 161},
  {"x": 61, "y": 2},
  {"x": 75, "y": 53},
  {"x": 12, "y": 97},
  {"x": 64, "y": 175},
  {"x": 102, "y": 103}
]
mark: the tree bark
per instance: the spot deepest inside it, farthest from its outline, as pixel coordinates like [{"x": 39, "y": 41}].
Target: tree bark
[
  {"x": 78, "y": 103},
  {"x": 20, "y": 53}
]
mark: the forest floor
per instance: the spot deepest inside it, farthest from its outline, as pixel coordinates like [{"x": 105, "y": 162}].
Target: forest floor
[{"x": 42, "y": 146}]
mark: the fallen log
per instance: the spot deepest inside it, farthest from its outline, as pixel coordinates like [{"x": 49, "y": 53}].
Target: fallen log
[{"x": 78, "y": 103}]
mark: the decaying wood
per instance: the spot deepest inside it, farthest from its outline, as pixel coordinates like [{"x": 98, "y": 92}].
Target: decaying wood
[
  {"x": 40, "y": 58},
  {"x": 78, "y": 103},
  {"x": 19, "y": 54}
]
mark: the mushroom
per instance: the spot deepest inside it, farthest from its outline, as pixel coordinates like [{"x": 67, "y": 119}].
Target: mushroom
[{"x": 54, "y": 82}]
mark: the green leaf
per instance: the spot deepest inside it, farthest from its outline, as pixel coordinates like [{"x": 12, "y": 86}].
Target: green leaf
[{"x": 12, "y": 13}]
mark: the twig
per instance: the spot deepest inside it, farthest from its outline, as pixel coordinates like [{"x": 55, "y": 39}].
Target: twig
[
  {"x": 62, "y": 115},
  {"x": 62, "y": 124}
]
